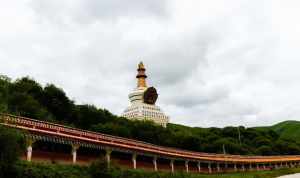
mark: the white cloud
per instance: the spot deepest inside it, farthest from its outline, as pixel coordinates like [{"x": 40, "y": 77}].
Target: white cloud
[{"x": 214, "y": 63}]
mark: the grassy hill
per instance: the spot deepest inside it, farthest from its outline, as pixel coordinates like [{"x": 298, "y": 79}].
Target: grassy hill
[{"x": 288, "y": 130}]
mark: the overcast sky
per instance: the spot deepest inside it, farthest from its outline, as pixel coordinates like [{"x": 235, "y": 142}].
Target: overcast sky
[{"x": 213, "y": 62}]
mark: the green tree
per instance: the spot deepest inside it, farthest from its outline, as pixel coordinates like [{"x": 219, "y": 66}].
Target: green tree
[
  {"x": 11, "y": 146},
  {"x": 99, "y": 169},
  {"x": 28, "y": 86},
  {"x": 25, "y": 105},
  {"x": 88, "y": 115},
  {"x": 4, "y": 85},
  {"x": 265, "y": 150},
  {"x": 56, "y": 101}
]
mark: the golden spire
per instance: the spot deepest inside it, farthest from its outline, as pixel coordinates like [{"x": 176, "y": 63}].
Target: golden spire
[
  {"x": 141, "y": 76},
  {"x": 141, "y": 65}
]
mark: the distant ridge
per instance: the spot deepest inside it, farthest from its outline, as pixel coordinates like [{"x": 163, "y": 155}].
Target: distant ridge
[{"x": 288, "y": 130}]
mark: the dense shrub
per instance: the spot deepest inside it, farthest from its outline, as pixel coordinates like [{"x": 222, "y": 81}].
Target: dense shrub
[
  {"x": 11, "y": 146},
  {"x": 38, "y": 170}
]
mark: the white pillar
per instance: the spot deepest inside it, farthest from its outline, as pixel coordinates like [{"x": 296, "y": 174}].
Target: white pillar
[
  {"x": 218, "y": 167},
  {"x": 155, "y": 163},
  {"x": 264, "y": 166},
  {"x": 29, "y": 153},
  {"x": 250, "y": 167},
  {"x": 243, "y": 167},
  {"x": 29, "y": 143},
  {"x": 74, "y": 153},
  {"x": 235, "y": 167},
  {"x": 209, "y": 168},
  {"x": 107, "y": 156},
  {"x": 187, "y": 166},
  {"x": 199, "y": 166},
  {"x": 172, "y": 165},
  {"x": 134, "y": 160}
]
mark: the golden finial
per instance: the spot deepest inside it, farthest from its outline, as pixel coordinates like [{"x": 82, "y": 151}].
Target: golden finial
[
  {"x": 141, "y": 65},
  {"x": 141, "y": 76}
]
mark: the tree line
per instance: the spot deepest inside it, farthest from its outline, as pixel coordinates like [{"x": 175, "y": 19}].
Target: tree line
[{"x": 28, "y": 98}]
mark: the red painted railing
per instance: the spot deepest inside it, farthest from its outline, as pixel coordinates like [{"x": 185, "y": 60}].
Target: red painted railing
[{"x": 52, "y": 129}]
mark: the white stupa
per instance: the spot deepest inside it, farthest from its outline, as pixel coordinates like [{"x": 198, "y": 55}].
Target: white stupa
[{"x": 143, "y": 100}]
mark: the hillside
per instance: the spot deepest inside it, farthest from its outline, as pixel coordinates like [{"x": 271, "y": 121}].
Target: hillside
[
  {"x": 288, "y": 130},
  {"x": 28, "y": 98}
]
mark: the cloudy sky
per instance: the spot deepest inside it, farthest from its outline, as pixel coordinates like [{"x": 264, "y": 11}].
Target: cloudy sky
[{"x": 214, "y": 63}]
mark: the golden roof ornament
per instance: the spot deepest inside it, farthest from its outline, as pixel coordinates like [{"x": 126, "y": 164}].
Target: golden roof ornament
[
  {"x": 141, "y": 76},
  {"x": 141, "y": 65}
]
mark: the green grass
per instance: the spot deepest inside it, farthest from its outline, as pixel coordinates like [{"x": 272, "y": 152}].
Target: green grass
[
  {"x": 260, "y": 174},
  {"x": 43, "y": 170},
  {"x": 288, "y": 130},
  {"x": 38, "y": 170}
]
